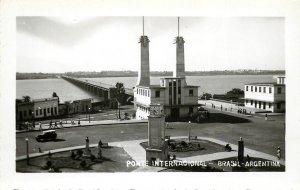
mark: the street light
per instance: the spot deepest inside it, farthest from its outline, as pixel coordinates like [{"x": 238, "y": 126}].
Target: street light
[
  {"x": 189, "y": 131},
  {"x": 27, "y": 150},
  {"x": 33, "y": 122},
  {"x": 89, "y": 116}
]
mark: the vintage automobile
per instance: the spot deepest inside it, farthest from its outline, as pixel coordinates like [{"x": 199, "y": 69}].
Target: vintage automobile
[{"x": 47, "y": 136}]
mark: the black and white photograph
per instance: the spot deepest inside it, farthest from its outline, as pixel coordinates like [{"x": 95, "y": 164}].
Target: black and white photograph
[{"x": 150, "y": 95}]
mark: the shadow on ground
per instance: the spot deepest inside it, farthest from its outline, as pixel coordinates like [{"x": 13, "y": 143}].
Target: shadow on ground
[{"x": 224, "y": 118}]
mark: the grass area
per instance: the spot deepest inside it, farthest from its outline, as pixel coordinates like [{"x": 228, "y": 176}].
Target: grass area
[
  {"x": 113, "y": 160},
  {"x": 181, "y": 148}
]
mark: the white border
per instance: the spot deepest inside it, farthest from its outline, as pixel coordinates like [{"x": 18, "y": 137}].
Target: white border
[{"x": 9, "y": 9}]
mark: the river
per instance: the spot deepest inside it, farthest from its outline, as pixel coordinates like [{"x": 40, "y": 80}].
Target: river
[{"x": 42, "y": 88}]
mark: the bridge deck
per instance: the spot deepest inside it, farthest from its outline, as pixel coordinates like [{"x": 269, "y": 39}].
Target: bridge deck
[{"x": 97, "y": 84}]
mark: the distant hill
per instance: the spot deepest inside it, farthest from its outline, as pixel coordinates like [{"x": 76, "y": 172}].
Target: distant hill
[{"x": 94, "y": 74}]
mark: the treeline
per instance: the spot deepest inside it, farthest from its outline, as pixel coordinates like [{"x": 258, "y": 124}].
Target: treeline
[
  {"x": 24, "y": 76},
  {"x": 94, "y": 74},
  {"x": 236, "y": 72},
  {"x": 82, "y": 74}
]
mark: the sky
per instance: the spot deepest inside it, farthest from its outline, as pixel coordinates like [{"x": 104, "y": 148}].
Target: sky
[{"x": 69, "y": 44}]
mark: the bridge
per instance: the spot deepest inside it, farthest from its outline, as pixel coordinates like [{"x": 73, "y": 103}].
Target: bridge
[{"x": 105, "y": 92}]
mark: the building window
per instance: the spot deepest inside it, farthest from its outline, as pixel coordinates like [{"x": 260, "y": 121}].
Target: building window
[
  {"x": 36, "y": 112},
  {"x": 251, "y": 88},
  {"x": 191, "y": 92},
  {"x": 30, "y": 112},
  {"x": 41, "y": 111},
  {"x": 25, "y": 113},
  {"x": 278, "y": 105},
  {"x": 270, "y": 90},
  {"x": 259, "y": 89},
  {"x": 191, "y": 109},
  {"x": 246, "y": 101},
  {"x": 157, "y": 94},
  {"x": 259, "y": 104},
  {"x": 251, "y": 102},
  {"x": 174, "y": 92},
  {"x": 279, "y": 90},
  {"x": 170, "y": 93},
  {"x": 48, "y": 110},
  {"x": 264, "y": 89},
  {"x": 246, "y": 88},
  {"x": 179, "y": 86},
  {"x": 55, "y": 110},
  {"x": 255, "y": 88}
]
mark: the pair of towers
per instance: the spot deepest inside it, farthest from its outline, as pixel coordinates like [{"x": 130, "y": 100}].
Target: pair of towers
[{"x": 144, "y": 72}]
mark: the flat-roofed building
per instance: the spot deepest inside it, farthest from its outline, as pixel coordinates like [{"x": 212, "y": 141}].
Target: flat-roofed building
[
  {"x": 266, "y": 96},
  {"x": 37, "y": 108}
]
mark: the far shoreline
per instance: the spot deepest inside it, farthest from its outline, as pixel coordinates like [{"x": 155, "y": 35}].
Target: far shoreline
[{"x": 31, "y": 76}]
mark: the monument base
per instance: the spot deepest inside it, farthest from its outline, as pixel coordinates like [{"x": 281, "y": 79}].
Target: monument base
[{"x": 154, "y": 155}]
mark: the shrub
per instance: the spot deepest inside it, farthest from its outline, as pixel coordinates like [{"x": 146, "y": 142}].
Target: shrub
[
  {"x": 93, "y": 157},
  {"x": 72, "y": 154},
  {"x": 83, "y": 163},
  {"x": 79, "y": 152},
  {"x": 183, "y": 143},
  {"x": 49, "y": 163}
]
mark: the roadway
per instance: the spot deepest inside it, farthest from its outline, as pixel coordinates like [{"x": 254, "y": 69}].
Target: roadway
[{"x": 258, "y": 134}]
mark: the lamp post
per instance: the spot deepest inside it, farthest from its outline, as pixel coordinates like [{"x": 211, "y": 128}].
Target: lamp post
[
  {"x": 189, "y": 131},
  {"x": 27, "y": 150},
  {"x": 33, "y": 122},
  {"x": 89, "y": 116}
]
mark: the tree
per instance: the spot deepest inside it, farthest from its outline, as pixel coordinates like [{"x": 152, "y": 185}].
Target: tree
[
  {"x": 54, "y": 95},
  {"x": 206, "y": 96},
  {"x": 120, "y": 95},
  {"x": 236, "y": 92},
  {"x": 26, "y": 98}
]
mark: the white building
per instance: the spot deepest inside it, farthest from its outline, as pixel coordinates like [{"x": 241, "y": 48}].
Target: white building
[
  {"x": 179, "y": 99},
  {"x": 266, "y": 96},
  {"x": 37, "y": 108}
]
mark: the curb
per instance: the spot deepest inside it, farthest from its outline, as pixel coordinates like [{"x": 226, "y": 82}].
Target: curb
[{"x": 86, "y": 125}]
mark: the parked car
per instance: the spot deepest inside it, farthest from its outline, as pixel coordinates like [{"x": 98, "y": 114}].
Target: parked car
[{"x": 47, "y": 136}]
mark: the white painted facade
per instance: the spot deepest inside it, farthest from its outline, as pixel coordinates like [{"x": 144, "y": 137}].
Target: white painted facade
[
  {"x": 38, "y": 108},
  {"x": 266, "y": 96},
  {"x": 179, "y": 99}
]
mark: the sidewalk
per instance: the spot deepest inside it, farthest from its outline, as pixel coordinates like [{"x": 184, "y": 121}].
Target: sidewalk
[
  {"x": 83, "y": 123},
  {"x": 232, "y": 108}
]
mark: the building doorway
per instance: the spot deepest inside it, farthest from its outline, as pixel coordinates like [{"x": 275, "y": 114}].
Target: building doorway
[{"x": 175, "y": 114}]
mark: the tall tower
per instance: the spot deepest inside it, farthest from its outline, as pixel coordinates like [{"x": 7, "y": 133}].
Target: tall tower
[
  {"x": 179, "y": 70},
  {"x": 144, "y": 72}
]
